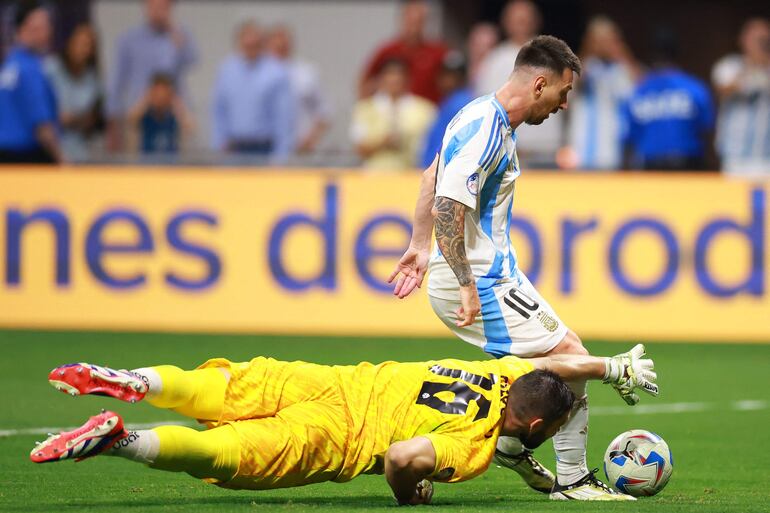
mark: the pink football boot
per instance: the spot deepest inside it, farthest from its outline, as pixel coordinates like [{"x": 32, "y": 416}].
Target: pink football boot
[
  {"x": 92, "y": 438},
  {"x": 85, "y": 378}
]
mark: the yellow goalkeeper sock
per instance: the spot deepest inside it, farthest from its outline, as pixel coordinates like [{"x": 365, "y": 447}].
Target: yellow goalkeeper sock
[
  {"x": 198, "y": 394},
  {"x": 212, "y": 454}
]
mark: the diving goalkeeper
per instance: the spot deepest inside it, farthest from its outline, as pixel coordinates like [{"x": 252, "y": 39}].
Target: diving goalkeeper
[{"x": 274, "y": 424}]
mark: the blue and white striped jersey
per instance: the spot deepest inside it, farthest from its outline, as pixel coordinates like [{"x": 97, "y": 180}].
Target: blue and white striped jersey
[
  {"x": 743, "y": 126},
  {"x": 478, "y": 167},
  {"x": 595, "y": 113}
]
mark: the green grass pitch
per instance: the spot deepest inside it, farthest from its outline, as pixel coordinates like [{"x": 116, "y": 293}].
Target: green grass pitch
[{"x": 713, "y": 411}]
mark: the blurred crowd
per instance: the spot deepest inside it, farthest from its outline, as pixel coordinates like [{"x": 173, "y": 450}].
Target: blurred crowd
[{"x": 267, "y": 105}]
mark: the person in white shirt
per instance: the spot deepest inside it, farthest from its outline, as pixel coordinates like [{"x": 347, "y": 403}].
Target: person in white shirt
[
  {"x": 475, "y": 286},
  {"x": 609, "y": 75},
  {"x": 521, "y": 22},
  {"x": 313, "y": 112},
  {"x": 742, "y": 82},
  {"x": 482, "y": 39}
]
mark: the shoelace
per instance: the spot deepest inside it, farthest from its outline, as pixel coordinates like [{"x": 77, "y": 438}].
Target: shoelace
[
  {"x": 527, "y": 455},
  {"x": 591, "y": 478},
  {"x": 532, "y": 461}
]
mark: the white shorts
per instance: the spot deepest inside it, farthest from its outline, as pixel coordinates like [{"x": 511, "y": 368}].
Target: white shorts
[{"x": 515, "y": 319}]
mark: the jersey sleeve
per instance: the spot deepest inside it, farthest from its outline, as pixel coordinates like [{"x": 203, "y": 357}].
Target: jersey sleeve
[
  {"x": 514, "y": 367},
  {"x": 453, "y": 458},
  {"x": 467, "y": 158}
]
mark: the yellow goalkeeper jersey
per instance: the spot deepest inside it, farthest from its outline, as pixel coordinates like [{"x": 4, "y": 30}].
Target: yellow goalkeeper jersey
[
  {"x": 456, "y": 404},
  {"x": 301, "y": 423}
]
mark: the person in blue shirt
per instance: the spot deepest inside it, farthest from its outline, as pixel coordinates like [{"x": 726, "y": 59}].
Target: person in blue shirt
[
  {"x": 159, "y": 126},
  {"x": 452, "y": 81},
  {"x": 161, "y": 120},
  {"x": 157, "y": 45},
  {"x": 28, "y": 131},
  {"x": 669, "y": 115},
  {"x": 253, "y": 107}
]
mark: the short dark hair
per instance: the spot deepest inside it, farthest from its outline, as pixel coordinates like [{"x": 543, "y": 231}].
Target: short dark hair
[
  {"x": 550, "y": 53},
  {"x": 542, "y": 394},
  {"x": 23, "y": 10}
]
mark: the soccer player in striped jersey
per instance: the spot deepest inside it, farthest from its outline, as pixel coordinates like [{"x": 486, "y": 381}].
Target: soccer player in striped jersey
[{"x": 475, "y": 285}]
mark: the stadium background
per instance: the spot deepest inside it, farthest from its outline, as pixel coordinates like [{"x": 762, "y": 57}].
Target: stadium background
[{"x": 129, "y": 265}]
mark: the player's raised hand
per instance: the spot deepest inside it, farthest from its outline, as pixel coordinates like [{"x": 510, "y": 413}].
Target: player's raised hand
[
  {"x": 412, "y": 267},
  {"x": 470, "y": 306},
  {"x": 628, "y": 371}
]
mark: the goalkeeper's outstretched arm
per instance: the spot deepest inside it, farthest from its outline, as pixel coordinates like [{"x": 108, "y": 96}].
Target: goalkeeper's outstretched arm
[
  {"x": 626, "y": 371},
  {"x": 571, "y": 367}
]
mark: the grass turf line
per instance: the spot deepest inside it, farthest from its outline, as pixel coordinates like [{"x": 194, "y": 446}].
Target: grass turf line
[{"x": 716, "y": 452}]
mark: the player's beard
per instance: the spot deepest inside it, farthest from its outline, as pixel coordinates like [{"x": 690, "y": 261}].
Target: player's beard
[
  {"x": 537, "y": 120},
  {"x": 532, "y": 440}
]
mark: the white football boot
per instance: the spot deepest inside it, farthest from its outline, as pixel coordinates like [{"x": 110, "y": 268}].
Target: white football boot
[{"x": 588, "y": 488}]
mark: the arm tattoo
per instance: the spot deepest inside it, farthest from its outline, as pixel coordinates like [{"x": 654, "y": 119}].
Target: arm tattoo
[{"x": 450, "y": 236}]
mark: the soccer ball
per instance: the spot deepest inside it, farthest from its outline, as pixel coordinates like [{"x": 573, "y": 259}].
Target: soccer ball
[{"x": 638, "y": 463}]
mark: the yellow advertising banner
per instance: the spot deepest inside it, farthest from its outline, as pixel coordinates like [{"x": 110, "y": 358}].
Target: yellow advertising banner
[{"x": 627, "y": 256}]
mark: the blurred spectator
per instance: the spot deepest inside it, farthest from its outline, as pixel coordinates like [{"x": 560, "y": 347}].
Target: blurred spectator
[
  {"x": 536, "y": 145},
  {"x": 312, "y": 107},
  {"x": 253, "y": 105},
  {"x": 521, "y": 22},
  {"x": 453, "y": 85},
  {"x": 482, "y": 38},
  {"x": 28, "y": 131},
  {"x": 422, "y": 56},
  {"x": 669, "y": 114},
  {"x": 743, "y": 84},
  {"x": 158, "y": 45},
  {"x": 389, "y": 126},
  {"x": 160, "y": 118},
  {"x": 607, "y": 81},
  {"x": 78, "y": 90}
]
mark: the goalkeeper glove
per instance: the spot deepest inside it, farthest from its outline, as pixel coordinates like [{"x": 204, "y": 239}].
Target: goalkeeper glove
[{"x": 628, "y": 371}]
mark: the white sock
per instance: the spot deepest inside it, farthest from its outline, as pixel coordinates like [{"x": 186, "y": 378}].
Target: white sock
[
  {"x": 570, "y": 442},
  {"x": 142, "y": 446},
  {"x": 152, "y": 379},
  {"x": 509, "y": 445}
]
